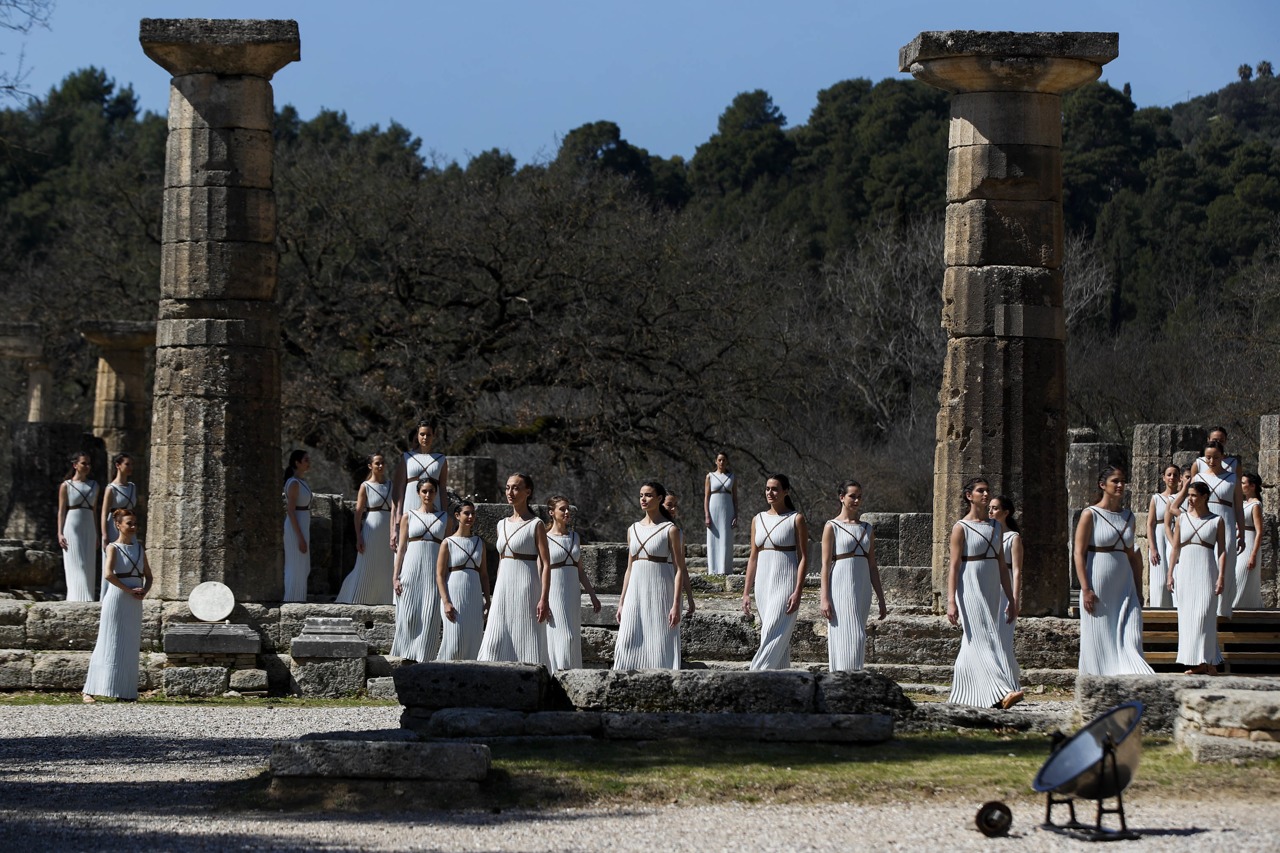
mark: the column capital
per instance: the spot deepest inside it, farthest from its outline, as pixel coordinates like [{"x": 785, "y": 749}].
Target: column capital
[
  {"x": 241, "y": 47},
  {"x": 962, "y": 61},
  {"x": 120, "y": 334}
]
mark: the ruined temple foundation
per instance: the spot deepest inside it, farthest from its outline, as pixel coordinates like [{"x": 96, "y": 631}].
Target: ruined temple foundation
[
  {"x": 215, "y": 446},
  {"x": 1002, "y": 406}
]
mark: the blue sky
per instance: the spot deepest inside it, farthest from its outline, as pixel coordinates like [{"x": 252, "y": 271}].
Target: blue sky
[{"x": 467, "y": 77}]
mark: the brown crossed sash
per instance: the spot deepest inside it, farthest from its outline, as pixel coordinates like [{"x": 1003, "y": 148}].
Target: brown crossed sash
[
  {"x": 470, "y": 550},
  {"x": 1196, "y": 538},
  {"x": 506, "y": 554},
  {"x": 769, "y": 544},
  {"x": 859, "y": 549},
  {"x": 720, "y": 486},
  {"x": 642, "y": 550},
  {"x": 84, "y": 495},
  {"x": 568, "y": 552},
  {"x": 1118, "y": 545},
  {"x": 988, "y": 553},
  {"x": 435, "y": 516},
  {"x": 135, "y": 571}
]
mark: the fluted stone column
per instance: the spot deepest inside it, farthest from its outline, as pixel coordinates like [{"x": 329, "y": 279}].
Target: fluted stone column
[
  {"x": 23, "y": 341},
  {"x": 121, "y": 403},
  {"x": 215, "y": 445},
  {"x": 1002, "y": 407}
]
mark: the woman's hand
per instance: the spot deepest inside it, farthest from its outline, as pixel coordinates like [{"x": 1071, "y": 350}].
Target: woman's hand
[
  {"x": 1088, "y": 600},
  {"x": 828, "y": 612},
  {"x": 105, "y": 541},
  {"x": 397, "y": 586},
  {"x": 953, "y": 613},
  {"x": 1217, "y": 587},
  {"x": 690, "y": 611},
  {"x": 450, "y": 612},
  {"x": 543, "y": 610},
  {"x": 673, "y": 617},
  {"x": 733, "y": 522},
  {"x": 302, "y": 545},
  {"x": 1155, "y": 555},
  {"x": 793, "y": 602},
  {"x": 1011, "y": 612},
  {"x": 708, "y": 522},
  {"x": 617, "y": 613},
  {"x": 62, "y": 541},
  {"x": 360, "y": 543},
  {"x": 746, "y": 604},
  {"x": 487, "y": 602},
  {"x": 595, "y": 603},
  {"x": 395, "y": 537},
  {"x": 884, "y": 611},
  {"x": 139, "y": 592},
  {"x": 1253, "y": 562}
]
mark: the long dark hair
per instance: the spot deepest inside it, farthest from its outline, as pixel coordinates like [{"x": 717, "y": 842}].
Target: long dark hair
[
  {"x": 294, "y": 458},
  {"x": 551, "y": 508},
  {"x": 661, "y": 491},
  {"x": 1006, "y": 503},
  {"x": 118, "y": 458},
  {"x": 528, "y": 482},
  {"x": 429, "y": 423},
  {"x": 368, "y": 461},
  {"x": 1257, "y": 483},
  {"x": 967, "y": 490},
  {"x": 785, "y": 484},
  {"x": 74, "y": 458},
  {"x": 1107, "y": 471},
  {"x": 1175, "y": 466}
]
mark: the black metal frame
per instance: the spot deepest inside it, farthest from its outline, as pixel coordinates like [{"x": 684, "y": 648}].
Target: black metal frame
[{"x": 1097, "y": 832}]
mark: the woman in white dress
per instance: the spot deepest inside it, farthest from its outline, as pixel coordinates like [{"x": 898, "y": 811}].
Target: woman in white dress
[
  {"x": 120, "y": 493},
  {"x": 720, "y": 506},
  {"x": 671, "y": 503},
  {"x": 649, "y": 607},
  {"x": 1158, "y": 544},
  {"x": 78, "y": 528},
  {"x": 1003, "y": 510},
  {"x": 113, "y": 667},
  {"x": 297, "y": 526},
  {"x": 516, "y": 630},
  {"x": 1226, "y": 500},
  {"x": 462, "y": 580},
  {"x": 1110, "y": 574},
  {"x": 418, "y": 619},
  {"x": 1249, "y": 561},
  {"x": 417, "y": 462},
  {"x": 1198, "y": 572},
  {"x": 849, "y": 574},
  {"x": 984, "y": 675},
  {"x": 775, "y": 570},
  {"x": 564, "y": 547},
  {"x": 371, "y": 581}
]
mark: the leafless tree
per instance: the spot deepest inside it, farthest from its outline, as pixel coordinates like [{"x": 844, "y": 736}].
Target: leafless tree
[{"x": 20, "y": 16}]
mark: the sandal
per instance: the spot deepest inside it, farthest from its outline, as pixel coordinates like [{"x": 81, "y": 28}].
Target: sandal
[
  {"x": 1011, "y": 699},
  {"x": 87, "y": 699}
]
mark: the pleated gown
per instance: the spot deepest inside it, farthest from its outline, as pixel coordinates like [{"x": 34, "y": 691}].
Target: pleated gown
[
  {"x": 1158, "y": 594},
  {"x": 1194, "y": 578},
  {"x": 513, "y": 632},
  {"x": 776, "y": 566},
  {"x": 1006, "y": 627},
  {"x": 1248, "y": 583},
  {"x": 1111, "y": 636},
  {"x": 113, "y": 666},
  {"x": 850, "y": 596},
  {"x": 370, "y": 582},
  {"x": 81, "y": 531},
  {"x": 297, "y": 565},
  {"x": 417, "y": 466},
  {"x": 418, "y": 617},
  {"x": 645, "y": 640},
  {"x": 116, "y": 497},
  {"x": 460, "y": 640},
  {"x": 1222, "y": 492},
  {"x": 984, "y": 674},
  {"x": 564, "y": 628},
  {"x": 720, "y": 533}
]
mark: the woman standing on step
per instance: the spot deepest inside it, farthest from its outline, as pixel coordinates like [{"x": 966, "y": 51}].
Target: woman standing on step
[
  {"x": 417, "y": 462},
  {"x": 1198, "y": 572},
  {"x": 462, "y": 579},
  {"x": 418, "y": 606},
  {"x": 297, "y": 526},
  {"x": 371, "y": 581},
  {"x": 1003, "y": 511},
  {"x": 672, "y": 505},
  {"x": 564, "y": 628},
  {"x": 78, "y": 528},
  {"x": 121, "y": 493},
  {"x": 521, "y": 594},
  {"x": 720, "y": 506},
  {"x": 849, "y": 574},
  {"x": 1226, "y": 500},
  {"x": 113, "y": 667},
  {"x": 1158, "y": 543},
  {"x": 984, "y": 674},
  {"x": 775, "y": 570},
  {"x": 649, "y": 607},
  {"x": 1249, "y": 561},
  {"x": 1110, "y": 574}
]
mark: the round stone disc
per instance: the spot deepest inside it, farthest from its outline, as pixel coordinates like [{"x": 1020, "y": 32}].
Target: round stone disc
[{"x": 211, "y": 601}]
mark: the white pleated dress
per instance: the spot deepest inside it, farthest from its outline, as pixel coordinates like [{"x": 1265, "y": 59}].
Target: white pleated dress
[
  {"x": 417, "y": 466},
  {"x": 720, "y": 533},
  {"x": 297, "y": 565},
  {"x": 116, "y": 497},
  {"x": 1111, "y": 636},
  {"x": 1195, "y": 578},
  {"x": 1006, "y": 627},
  {"x": 984, "y": 674},
  {"x": 645, "y": 640},
  {"x": 1248, "y": 583},
  {"x": 564, "y": 628},
  {"x": 461, "y": 639},
  {"x": 371, "y": 581},
  {"x": 113, "y": 667},
  {"x": 418, "y": 618},
  {"x": 513, "y": 632},
  {"x": 81, "y": 532},
  {"x": 1158, "y": 594},
  {"x": 1222, "y": 495},
  {"x": 850, "y": 596},
  {"x": 776, "y": 566}
]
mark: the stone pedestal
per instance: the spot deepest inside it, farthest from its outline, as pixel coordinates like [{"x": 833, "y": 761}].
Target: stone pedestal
[
  {"x": 121, "y": 403},
  {"x": 1086, "y": 457},
  {"x": 474, "y": 478},
  {"x": 1003, "y": 398},
  {"x": 328, "y": 658},
  {"x": 215, "y": 446},
  {"x": 39, "y": 464}
]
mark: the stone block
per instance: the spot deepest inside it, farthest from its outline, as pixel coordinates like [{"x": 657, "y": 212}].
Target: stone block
[
  {"x": 17, "y": 572},
  {"x": 1269, "y": 449},
  {"x": 943, "y": 716},
  {"x": 915, "y": 546},
  {"x": 474, "y": 478},
  {"x": 1047, "y": 643},
  {"x": 475, "y": 722},
  {"x": 1239, "y": 709},
  {"x": 211, "y": 638},
  {"x": 230, "y": 372},
  {"x": 15, "y": 669},
  {"x": 249, "y": 680},
  {"x": 218, "y": 214},
  {"x": 1006, "y": 118},
  {"x": 1207, "y": 749},
  {"x": 718, "y": 636},
  {"x": 362, "y": 796},
  {"x": 562, "y": 724},
  {"x": 59, "y": 670},
  {"x": 381, "y": 666},
  {"x": 912, "y": 640},
  {"x": 986, "y": 232},
  {"x": 327, "y": 677},
  {"x": 1161, "y": 441},
  {"x": 218, "y": 270},
  {"x": 195, "y": 680},
  {"x": 211, "y": 101},
  {"x": 380, "y": 759},
  {"x": 374, "y": 624},
  {"x": 796, "y": 728},
  {"x": 598, "y": 644},
  {"x": 381, "y": 687},
  {"x": 223, "y": 48},
  {"x": 1003, "y": 301},
  {"x": 219, "y": 157},
  {"x": 1159, "y": 693},
  {"x": 652, "y": 690},
  {"x": 605, "y": 565},
  {"x": 63, "y": 625},
  {"x": 885, "y": 528},
  {"x": 329, "y": 637},
  {"x": 905, "y": 586},
  {"x": 472, "y": 684},
  {"x": 151, "y": 671},
  {"x": 860, "y": 693},
  {"x": 279, "y": 673},
  {"x": 260, "y": 331},
  {"x": 1022, "y": 172},
  {"x": 997, "y": 45}
]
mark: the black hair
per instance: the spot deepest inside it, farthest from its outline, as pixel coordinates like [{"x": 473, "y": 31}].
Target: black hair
[
  {"x": 844, "y": 487},
  {"x": 1220, "y": 429},
  {"x": 118, "y": 458},
  {"x": 1175, "y": 466},
  {"x": 527, "y": 480},
  {"x": 122, "y": 513},
  {"x": 294, "y": 458},
  {"x": 786, "y": 487},
  {"x": 1007, "y": 503},
  {"x": 1216, "y": 445},
  {"x": 368, "y": 461},
  {"x": 429, "y": 423},
  {"x": 1107, "y": 471},
  {"x": 967, "y": 490},
  {"x": 723, "y": 453},
  {"x": 456, "y": 509},
  {"x": 661, "y": 491},
  {"x": 1200, "y": 488},
  {"x": 1256, "y": 479},
  {"x": 551, "y": 505},
  {"x": 432, "y": 480},
  {"x": 74, "y": 458}
]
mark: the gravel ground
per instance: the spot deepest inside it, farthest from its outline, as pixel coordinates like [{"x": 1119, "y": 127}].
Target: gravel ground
[{"x": 120, "y": 776}]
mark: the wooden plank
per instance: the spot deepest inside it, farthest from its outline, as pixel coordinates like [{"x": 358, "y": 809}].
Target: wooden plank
[
  {"x": 1234, "y": 637},
  {"x": 1229, "y": 657}
]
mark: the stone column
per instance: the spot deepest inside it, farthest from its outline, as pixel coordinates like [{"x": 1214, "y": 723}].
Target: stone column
[
  {"x": 121, "y": 403},
  {"x": 1155, "y": 446},
  {"x": 1003, "y": 399},
  {"x": 23, "y": 341},
  {"x": 474, "y": 478},
  {"x": 215, "y": 445}
]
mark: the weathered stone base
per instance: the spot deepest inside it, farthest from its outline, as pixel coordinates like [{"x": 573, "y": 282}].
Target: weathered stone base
[
  {"x": 1229, "y": 725},
  {"x": 1160, "y": 693},
  {"x": 309, "y": 792}
]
